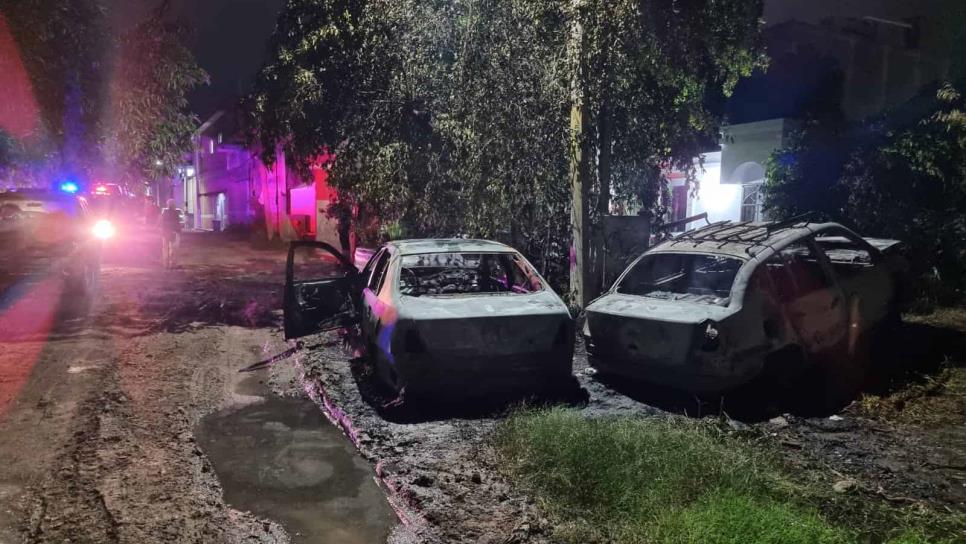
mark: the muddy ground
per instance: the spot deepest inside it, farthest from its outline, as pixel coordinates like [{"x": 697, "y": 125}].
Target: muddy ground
[
  {"x": 98, "y": 401},
  {"x": 443, "y": 479},
  {"x": 99, "y": 406}
]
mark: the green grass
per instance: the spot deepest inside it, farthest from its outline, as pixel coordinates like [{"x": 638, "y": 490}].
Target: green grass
[
  {"x": 660, "y": 480},
  {"x": 727, "y": 518}
]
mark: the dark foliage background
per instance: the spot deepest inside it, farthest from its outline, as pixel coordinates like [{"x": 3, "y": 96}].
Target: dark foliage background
[{"x": 453, "y": 117}]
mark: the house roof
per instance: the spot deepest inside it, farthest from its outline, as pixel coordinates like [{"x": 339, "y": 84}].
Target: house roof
[{"x": 449, "y": 245}]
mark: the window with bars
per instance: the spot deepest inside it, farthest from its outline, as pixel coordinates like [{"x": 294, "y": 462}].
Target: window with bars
[{"x": 751, "y": 200}]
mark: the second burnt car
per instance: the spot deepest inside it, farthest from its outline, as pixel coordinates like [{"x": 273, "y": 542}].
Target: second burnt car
[
  {"x": 445, "y": 317},
  {"x": 713, "y": 308}
]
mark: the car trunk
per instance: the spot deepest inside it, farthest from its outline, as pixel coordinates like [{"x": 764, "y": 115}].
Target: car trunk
[
  {"x": 645, "y": 330},
  {"x": 483, "y": 325}
]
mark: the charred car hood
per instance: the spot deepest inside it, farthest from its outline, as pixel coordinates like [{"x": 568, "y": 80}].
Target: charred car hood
[{"x": 672, "y": 311}]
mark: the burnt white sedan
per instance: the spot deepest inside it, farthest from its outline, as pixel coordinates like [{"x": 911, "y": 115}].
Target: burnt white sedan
[
  {"x": 716, "y": 307},
  {"x": 442, "y": 317}
]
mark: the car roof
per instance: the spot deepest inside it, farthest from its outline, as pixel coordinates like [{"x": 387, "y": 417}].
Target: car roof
[
  {"x": 448, "y": 245},
  {"x": 742, "y": 240}
]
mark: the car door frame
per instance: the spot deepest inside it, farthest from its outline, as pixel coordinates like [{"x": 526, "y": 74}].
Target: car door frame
[
  {"x": 369, "y": 297},
  {"x": 862, "y": 311},
  {"x": 807, "y": 339},
  {"x": 298, "y": 322}
]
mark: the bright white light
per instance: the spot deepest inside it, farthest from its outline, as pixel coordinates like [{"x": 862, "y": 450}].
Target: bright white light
[
  {"x": 717, "y": 198},
  {"x": 158, "y": 163},
  {"x": 190, "y": 171},
  {"x": 722, "y": 201},
  {"x": 103, "y": 230}
]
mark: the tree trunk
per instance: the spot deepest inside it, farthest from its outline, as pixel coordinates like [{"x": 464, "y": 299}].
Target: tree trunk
[
  {"x": 580, "y": 170},
  {"x": 603, "y": 198}
]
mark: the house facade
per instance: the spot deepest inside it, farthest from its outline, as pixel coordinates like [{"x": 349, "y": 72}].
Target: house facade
[
  {"x": 230, "y": 187},
  {"x": 729, "y": 181},
  {"x": 852, "y": 67}
]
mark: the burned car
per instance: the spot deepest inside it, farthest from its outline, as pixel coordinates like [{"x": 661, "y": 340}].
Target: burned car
[
  {"x": 442, "y": 316},
  {"x": 713, "y": 308}
]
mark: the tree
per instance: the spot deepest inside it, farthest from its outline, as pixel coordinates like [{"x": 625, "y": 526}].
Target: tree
[
  {"x": 909, "y": 183},
  {"x": 803, "y": 175},
  {"x": 453, "y": 117},
  {"x": 155, "y": 73},
  {"x": 644, "y": 73},
  {"x": 107, "y": 104},
  {"x": 63, "y": 44}
]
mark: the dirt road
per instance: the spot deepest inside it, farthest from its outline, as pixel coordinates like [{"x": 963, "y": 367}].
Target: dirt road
[{"x": 98, "y": 402}]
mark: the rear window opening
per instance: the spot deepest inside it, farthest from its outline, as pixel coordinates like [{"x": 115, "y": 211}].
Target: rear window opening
[
  {"x": 841, "y": 250},
  {"x": 435, "y": 274},
  {"x": 682, "y": 276}
]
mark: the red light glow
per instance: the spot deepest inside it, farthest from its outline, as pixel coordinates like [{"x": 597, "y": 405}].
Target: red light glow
[{"x": 19, "y": 113}]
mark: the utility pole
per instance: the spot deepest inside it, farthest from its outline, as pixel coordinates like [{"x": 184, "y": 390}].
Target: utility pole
[{"x": 580, "y": 157}]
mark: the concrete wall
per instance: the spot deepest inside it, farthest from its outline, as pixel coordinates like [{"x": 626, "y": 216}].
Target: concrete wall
[{"x": 745, "y": 147}]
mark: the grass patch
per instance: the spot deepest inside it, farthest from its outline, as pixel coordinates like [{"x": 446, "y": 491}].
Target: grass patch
[
  {"x": 657, "y": 480},
  {"x": 927, "y": 385},
  {"x": 932, "y": 401},
  {"x": 725, "y": 518}
]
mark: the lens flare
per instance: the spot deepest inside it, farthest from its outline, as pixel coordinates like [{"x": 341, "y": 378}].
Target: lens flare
[{"x": 103, "y": 230}]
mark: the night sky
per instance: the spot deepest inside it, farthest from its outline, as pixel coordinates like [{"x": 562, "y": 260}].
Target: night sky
[
  {"x": 231, "y": 35},
  {"x": 230, "y": 41}
]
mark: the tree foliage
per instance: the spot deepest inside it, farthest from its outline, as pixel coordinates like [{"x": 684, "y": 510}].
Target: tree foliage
[
  {"x": 152, "y": 124},
  {"x": 63, "y": 44},
  {"x": 108, "y": 104},
  {"x": 453, "y": 116},
  {"x": 910, "y": 183},
  {"x": 653, "y": 71},
  {"x": 901, "y": 175},
  {"x": 803, "y": 175}
]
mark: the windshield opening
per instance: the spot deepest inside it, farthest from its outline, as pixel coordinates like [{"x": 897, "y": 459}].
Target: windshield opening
[
  {"x": 682, "y": 276},
  {"x": 466, "y": 273}
]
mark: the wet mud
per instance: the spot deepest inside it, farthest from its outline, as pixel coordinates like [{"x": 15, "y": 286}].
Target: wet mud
[{"x": 281, "y": 460}]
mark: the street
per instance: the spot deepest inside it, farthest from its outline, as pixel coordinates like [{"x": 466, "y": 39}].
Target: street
[{"x": 99, "y": 409}]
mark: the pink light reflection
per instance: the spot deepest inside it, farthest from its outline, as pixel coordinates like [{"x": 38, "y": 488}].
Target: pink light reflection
[
  {"x": 19, "y": 113},
  {"x": 25, "y": 326}
]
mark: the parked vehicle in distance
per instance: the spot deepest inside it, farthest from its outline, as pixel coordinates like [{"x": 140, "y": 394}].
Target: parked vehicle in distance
[
  {"x": 443, "y": 317},
  {"x": 49, "y": 234},
  {"x": 113, "y": 202},
  {"x": 712, "y": 308}
]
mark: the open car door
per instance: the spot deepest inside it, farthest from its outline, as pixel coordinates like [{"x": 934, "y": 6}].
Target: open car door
[{"x": 322, "y": 296}]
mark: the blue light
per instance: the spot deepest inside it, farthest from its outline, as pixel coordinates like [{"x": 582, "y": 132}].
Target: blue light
[{"x": 69, "y": 187}]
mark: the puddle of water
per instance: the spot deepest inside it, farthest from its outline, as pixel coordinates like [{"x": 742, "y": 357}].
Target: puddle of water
[{"x": 283, "y": 461}]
